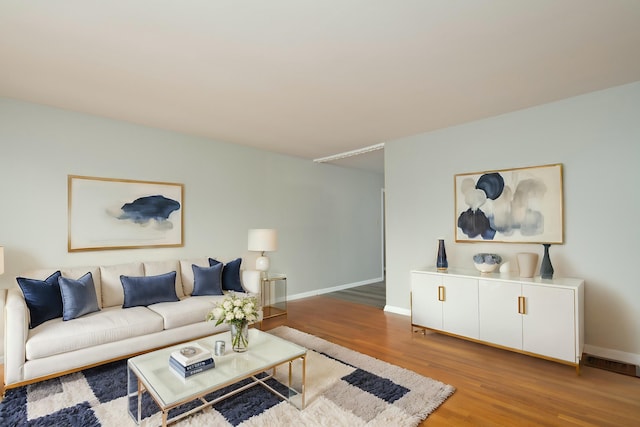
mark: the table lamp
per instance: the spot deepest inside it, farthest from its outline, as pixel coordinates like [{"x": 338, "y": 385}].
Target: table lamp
[{"x": 263, "y": 240}]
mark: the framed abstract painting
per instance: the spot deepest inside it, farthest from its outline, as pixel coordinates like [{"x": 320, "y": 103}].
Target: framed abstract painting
[
  {"x": 106, "y": 213},
  {"x": 522, "y": 205}
]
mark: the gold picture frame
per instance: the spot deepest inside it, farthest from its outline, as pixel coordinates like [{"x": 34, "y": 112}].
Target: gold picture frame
[
  {"x": 520, "y": 205},
  {"x": 108, "y": 213}
]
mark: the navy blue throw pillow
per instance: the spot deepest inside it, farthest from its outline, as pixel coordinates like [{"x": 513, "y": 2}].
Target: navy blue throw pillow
[
  {"x": 78, "y": 296},
  {"x": 42, "y": 297},
  {"x": 207, "y": 280},
  {"x": 147, "y": 290},
  {"x": 230, "y": 275}
]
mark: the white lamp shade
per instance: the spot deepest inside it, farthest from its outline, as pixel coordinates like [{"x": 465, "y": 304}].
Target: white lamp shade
[
  {"x": 1, "y": 260},
  {"x": 263, "y": 240}
]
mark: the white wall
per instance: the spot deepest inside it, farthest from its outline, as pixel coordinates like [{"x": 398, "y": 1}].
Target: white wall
[
  {"x": 597, "y": 139},
  {"x": 328, "y": 217}
]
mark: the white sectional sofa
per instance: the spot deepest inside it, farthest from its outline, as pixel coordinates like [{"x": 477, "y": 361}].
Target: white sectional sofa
[{"x": 60, "y": 346}]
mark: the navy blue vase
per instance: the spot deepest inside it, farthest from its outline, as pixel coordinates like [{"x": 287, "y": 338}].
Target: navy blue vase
[
  {"x": 546, "y": 269},
  {"x": 441, "y": 262}
]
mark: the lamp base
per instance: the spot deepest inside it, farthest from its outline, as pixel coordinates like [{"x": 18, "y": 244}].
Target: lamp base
[{"x": 262, "y": 263}]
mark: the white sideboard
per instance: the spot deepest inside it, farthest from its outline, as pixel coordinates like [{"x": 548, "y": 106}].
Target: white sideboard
[{"x": 539, "y": 317}]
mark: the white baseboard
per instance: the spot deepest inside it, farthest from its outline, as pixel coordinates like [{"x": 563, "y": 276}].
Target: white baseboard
[
  {"x": 388, "y": 308},
  {"x": 333, "y": 289},
  {"x": 397, "y": 310},
  {"x": 611, "y": 354}
]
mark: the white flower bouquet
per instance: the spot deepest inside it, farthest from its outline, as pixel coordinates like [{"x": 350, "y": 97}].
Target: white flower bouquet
[
  {"x": 235, "y": 309},
  {"x": 238, "y": 312}
]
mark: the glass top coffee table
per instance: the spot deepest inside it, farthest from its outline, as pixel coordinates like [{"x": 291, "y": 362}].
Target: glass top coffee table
[{"x": 151, "y": 373}]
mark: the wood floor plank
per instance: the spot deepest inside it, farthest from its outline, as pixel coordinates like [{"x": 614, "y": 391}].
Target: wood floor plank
[{"x": 494, "y": 387}]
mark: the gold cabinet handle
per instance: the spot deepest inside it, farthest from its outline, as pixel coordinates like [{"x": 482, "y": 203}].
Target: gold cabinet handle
[
  {"x": 440, "y": 293},
  {"x": 521, "y": 306}
]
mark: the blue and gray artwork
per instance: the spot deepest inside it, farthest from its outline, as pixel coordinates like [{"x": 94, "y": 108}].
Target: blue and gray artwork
[
  {"x": 494, "y": 207},
  {"x": 150, "y": 209}
]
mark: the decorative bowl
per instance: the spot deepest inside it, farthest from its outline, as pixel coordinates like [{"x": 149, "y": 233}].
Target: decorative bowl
[{"x": 486, "y": 263}]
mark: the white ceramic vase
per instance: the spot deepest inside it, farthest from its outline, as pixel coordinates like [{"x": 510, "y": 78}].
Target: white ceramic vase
[{"x": 527, "y": 263}]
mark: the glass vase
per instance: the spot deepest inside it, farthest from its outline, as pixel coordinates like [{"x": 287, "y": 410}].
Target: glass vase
[{"x": 239, "y": 336}]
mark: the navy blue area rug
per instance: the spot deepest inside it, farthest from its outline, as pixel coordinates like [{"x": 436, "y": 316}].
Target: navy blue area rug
[{"x": 344, "y": 388}]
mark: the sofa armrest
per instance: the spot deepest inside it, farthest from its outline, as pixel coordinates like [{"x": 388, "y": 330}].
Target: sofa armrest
[
  {"x": 251, "y": 281},
  {"x": 16, "y": 331}
]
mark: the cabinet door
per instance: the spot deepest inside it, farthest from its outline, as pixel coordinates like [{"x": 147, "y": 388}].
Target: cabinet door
[
  {"x": 460, "y": 308},
  {"x": 426, "y": 309},
  {"x": 500, "y": 322},
  {"x": 549, "y": 322}
]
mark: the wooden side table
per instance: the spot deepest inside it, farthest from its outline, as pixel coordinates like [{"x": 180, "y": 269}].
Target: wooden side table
[{"x": 274, "y": 295}]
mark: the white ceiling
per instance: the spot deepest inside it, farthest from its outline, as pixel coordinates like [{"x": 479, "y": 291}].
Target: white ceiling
[{"x": 312, "y": 78}]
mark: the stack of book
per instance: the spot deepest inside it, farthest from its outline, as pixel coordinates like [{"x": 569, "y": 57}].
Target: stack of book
[{"x": 190, "y": 360}]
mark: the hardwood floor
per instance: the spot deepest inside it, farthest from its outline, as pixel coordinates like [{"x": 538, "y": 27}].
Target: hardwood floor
[
  {"x": 494, "y": 387},
  {"x": 374, "y": 294}
]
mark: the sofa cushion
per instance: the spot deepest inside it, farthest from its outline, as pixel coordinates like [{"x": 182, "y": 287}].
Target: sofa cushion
[
  {"x": 188, "y": 311},
  {"x": 207, "y": 280},
  {"x": 76, "y": 272},
  {"x": 230, "y": 274},
  {"x": 186, "y": 270},
  {"x": 154, "y": 268},
  {"x": 42, "y": 297},
  {"x": 146, "y": 290},
  {"x": 112, "y": 324},
  {"x": 78, "y": 296},
  {"x": 112, "y": 292}
]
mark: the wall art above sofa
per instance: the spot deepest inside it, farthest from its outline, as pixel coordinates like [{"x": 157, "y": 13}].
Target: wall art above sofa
[{"x": 106, "y": 213}]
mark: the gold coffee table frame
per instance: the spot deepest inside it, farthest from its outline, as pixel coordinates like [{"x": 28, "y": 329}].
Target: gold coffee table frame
[{"x": 151, "y": 373}]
